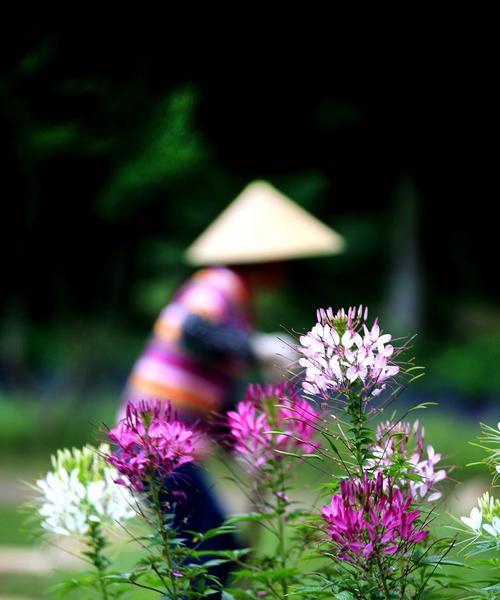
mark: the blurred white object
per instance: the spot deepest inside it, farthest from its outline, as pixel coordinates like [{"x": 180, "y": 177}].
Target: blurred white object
[{"x": 274, "y": 351}]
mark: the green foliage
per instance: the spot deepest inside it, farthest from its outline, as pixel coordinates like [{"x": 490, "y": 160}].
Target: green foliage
[
  {"x": 470, "y": 364},
  {"x": 29, "y": 428},
  {"x": 489, "y": 443},
  {"x": 170, "y": 149}
]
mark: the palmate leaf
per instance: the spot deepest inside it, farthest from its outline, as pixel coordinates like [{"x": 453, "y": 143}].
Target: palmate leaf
[
  {"x": 492, "y": 588},
  {"x": 488, "y": 593},
  {"x": 91, "y": 580},
  {"x": 299, "y": 456},
  {"x": 121, "y": 578},
  {"x": 486, "y": 562},
  {"x": 316, "y": 592},
  {"x": 237, "y": 594},
  {"x": 214, "y": 562},
  {"x": 421, "y": 406},
  {"x": 75, "y": 583},
  {"x": 480, "y": 547},
  {"x": 266, "y": 575},
  {"x": 252, "y": 517},
  {"x": 211, "y": 533},
  {"x": 432, "y": 561},
  {"x": 229, "y": 554},
  {"x": 297, "y": 513}
]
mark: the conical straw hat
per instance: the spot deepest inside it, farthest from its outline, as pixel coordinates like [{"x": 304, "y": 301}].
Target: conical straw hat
[{"x": 263, "y": 225}]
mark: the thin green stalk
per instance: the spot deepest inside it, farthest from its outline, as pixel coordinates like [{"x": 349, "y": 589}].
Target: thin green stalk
[
  {"x": 281, "y": 505},
  {"x": 358, "y": 419},
  {"x": 383, "y": 578},
  {"x": 97, "y": 544},
  {"x": 278, "y": 489},
  {"x": 165, "y": 538}
]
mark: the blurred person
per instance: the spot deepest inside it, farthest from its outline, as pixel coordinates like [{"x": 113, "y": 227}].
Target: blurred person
[{"x": 205, "y": 339}]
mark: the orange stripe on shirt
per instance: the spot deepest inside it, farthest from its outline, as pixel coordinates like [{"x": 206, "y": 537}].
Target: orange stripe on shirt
[{"x": 179, "y": 396}]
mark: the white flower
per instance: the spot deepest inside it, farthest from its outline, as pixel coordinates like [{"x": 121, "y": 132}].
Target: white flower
[
  {"x": 81, "y": 490},
  {"x": 474, "y": 520},
  {"x": 494, "y": 528},
  {"x": 336, "y": 356}
]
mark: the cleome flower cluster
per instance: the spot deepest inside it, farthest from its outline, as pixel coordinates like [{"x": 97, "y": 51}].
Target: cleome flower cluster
[
  {"x": 485, "y": 517},
  {"x": 266, "y": 409},
  {"x": 80, "y": 490},
  {"x": 150, "y": 444},
  {"x": 340, "y": 352},
  {"x": 400, "y": 442},
  {"x": 371, "y": 518}
]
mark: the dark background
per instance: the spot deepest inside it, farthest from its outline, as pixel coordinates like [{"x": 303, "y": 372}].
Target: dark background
[{"x": 116, "y": 155}]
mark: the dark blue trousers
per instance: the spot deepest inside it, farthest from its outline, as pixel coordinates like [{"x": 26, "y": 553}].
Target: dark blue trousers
[{"x": 197, "y": 509}]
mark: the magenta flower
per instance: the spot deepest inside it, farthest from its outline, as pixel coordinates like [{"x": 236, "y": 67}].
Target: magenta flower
[
  {"x": 151, "y": 444},
  {"x": 266, "y": 409},
  {"x": 364, "y": 521},
  {"x": 248, "y": 428},
  {"x": 340, "y": 352},
  {"x": 401, "y": 440}
]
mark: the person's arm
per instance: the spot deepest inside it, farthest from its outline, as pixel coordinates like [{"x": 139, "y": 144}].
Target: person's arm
[
  {"x": 275, "y": 350},
  {"x": 208, "y": 337}
]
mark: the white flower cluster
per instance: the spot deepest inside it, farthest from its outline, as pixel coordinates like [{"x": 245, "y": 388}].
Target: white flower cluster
[
  {"x": 80, "y": 490},
  {"x": 335, "y": 355},
  {"x": 487, "y": 509}
]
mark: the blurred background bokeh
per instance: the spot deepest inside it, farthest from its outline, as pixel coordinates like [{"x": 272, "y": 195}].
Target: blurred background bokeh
[{"x": 114, "y": 159}]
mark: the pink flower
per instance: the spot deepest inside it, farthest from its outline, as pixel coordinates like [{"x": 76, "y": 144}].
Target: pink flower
[
  {"x": 425, "y": 468},
  {"x": 150, "y": 443},
  {"x": 341, "y": 352},
  {"x": 365, "y": 521},
  {"x": 401, "y": 440},
  {"x": 267, "y": 409},
  {"x": 248, "y": 427}
]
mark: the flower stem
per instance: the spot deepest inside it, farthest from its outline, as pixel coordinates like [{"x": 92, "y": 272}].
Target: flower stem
[
  {"x": 165, "y": 538},
  {"x": 383, "y": 578},
  {"x": 358, "y": 419},
  {"x": 100, "y": 562},
  {"x": 281, "y": 505}
]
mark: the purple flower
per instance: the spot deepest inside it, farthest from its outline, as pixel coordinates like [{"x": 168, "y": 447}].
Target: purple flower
[
  {"x": 150, "y": 443},
  {"x": 365, "y": 521},
  {"x": 270, "y": 408},
  {"x": 401, "y": 440},
  {"x": 341, "y": 352}
]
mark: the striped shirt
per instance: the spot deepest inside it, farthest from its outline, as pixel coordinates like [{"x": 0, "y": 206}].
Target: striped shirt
[{"x": 196, "y": 383}]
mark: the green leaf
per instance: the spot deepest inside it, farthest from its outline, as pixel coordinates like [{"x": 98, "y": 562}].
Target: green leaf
[
  {"x": 440, "y": 560},
  {"x": 211, "y": 533},
  {"x": 249, "y": 518},
  {"x": 422, "y": 406}
]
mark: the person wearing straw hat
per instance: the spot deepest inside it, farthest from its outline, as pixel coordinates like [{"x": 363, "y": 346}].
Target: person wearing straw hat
[{"x": 205, "y": 338}]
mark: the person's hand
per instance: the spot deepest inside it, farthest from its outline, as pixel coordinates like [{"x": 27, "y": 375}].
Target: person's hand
[{"x": 274, "y": 351}]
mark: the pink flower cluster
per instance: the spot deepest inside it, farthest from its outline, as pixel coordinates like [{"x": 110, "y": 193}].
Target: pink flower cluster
[
  {"x": 336, "y": 356},
  {"x": 151, "y": 444},
  {"x": 268, "y": 408},
  {"x": 365, "y": 520},
  {"x": 401, "y": 440}
]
